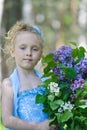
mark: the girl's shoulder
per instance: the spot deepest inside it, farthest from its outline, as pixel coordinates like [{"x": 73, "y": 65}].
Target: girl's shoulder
[
  {"x": 7, "y": 90},
  {"x": 6, "y": 83}
]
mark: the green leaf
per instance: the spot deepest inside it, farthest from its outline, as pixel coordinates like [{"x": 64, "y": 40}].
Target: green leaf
[
  {"x": 64, "y": 85},
  {"x": 46, "y": 70},
  {"x": 79, "y": 92},
  {"x": 83, "y": 106},
  {"x": 51, "y": 97},
  {"x": 47, "y": 58},
  {"x": 82, "y": 49},
  {"x": 73, "y": 43},
  {"x": 85, "y": 85},
  {"x": 80, "y": 102},
  {"x": 64, "y": 117},
  {"x": 48, "y": 74},
  {"x": 54, "y": 105},
  {"x": 80, "y": 54},
  {"x": 40, "y": 98},
  {"x": 70, "y": 73},
  {"x": 83, "y": 110},
  {"x": 74, "y": 52},
  {"x": 65, "y": 96},
  {"x": 50, "y": 65}
]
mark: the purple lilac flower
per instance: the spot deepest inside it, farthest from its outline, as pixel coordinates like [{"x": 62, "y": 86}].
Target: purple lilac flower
[
  {"x": 64, "y": 55},
  {"x": 84, "y": 65},
  {"x": 58, "y": 71},
  {"x": 72, "y": 96},
  {"x": 78, "y": 67},
  {"x": 79, "y": 76},
  {"x": 81, "y": 68},
  {"x": 84, "y": 75},
  {"x": 79, "y": 83},
  {"x": 67, "y": 89}
]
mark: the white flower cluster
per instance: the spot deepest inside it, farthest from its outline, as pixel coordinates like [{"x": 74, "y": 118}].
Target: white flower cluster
[
  {"x": 66, "y": 106},
  {"x": 54, "y": 88}
]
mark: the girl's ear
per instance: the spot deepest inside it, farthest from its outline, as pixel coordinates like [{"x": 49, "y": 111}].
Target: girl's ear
[{"x": 12, "y": 52}]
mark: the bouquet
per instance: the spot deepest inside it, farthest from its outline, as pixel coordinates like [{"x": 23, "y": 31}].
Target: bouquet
[{"x": 65, "y": 98}]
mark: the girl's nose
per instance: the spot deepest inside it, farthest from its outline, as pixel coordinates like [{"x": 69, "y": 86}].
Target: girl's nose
[{"x": 28, "y": 52}]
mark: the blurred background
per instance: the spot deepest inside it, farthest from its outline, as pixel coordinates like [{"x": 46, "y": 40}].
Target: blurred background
[{"x": 61, "y": 21}]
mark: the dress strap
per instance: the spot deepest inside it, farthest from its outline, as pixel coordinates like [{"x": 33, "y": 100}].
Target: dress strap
[
  {"x": 14, "y": 77},
  {"x": 40, "y": 75}
]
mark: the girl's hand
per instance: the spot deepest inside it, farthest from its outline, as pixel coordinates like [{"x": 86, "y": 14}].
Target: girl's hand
[
  {"x": 53, "y": 127},
  {"x": 45, "y": 126}
]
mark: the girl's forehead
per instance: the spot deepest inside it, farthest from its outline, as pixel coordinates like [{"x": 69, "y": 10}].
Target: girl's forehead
[
  {"x": 27, "y": 37},
  {"x": 26, "y": 34}
]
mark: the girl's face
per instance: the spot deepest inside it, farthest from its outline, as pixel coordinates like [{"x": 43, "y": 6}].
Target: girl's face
[{"x": 27, "y": 50}]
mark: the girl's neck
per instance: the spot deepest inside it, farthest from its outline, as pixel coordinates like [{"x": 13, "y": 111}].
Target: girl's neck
[{"x": 26, "y": 72}]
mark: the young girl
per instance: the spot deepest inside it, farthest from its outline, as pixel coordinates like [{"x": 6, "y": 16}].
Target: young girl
[{"x": 19, "y": 110}]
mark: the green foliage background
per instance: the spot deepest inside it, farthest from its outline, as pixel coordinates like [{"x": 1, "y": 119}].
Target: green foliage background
[{"x": 59, "y": 24}]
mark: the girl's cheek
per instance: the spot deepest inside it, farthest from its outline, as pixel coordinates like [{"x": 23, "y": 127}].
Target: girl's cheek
[{"x": 19, "y": 52}]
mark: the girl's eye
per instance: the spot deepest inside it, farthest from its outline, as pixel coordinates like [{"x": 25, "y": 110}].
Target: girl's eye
[
  {"x": 35, "y": 49},
  {"x": 22, "y": 48}
]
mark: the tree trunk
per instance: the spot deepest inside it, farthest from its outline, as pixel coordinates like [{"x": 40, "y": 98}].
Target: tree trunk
[{"x": 12, "y": 12}]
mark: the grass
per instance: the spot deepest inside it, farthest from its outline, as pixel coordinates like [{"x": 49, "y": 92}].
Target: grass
[{"x": 1, "y": 125}]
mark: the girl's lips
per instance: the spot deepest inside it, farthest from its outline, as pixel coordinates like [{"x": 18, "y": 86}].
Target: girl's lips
[{"x": 28, "y": 59}]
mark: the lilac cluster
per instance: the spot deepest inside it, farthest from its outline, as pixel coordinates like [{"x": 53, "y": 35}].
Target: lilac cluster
[
  {"x": 64, "y": 55},
  {"x": 81, "y": 68},
  {"x": 79, "y": 83},
  {"x": 73, "y": 96},
  {"x": 59, "y": 72}
]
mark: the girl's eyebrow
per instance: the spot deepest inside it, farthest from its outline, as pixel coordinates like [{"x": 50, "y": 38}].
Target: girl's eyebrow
[{"x": 23, "y": 44}]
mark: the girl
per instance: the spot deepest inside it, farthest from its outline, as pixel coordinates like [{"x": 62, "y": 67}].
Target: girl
[{"x": 19, "y": 110}]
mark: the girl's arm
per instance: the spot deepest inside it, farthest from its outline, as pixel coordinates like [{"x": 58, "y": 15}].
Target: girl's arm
[{"x": 8, "y": 119}]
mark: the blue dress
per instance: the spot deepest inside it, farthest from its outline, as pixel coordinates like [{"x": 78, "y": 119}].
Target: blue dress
[
  {"x": 24, "y": 105},
  {"x": 27, "y": 107}
]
